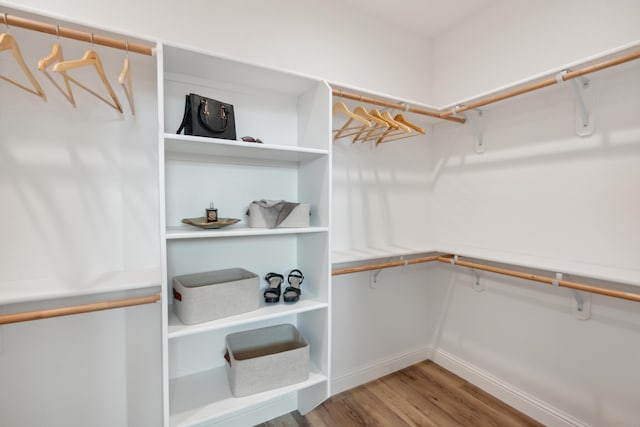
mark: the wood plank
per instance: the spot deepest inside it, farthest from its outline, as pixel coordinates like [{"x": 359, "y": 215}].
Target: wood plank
[{"x": 424, "y": 394}]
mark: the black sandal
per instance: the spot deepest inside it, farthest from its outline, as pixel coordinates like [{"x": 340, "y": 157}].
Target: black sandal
[
  {"x": 272, "y": 292},
  {"x": 292, "y": 292}
]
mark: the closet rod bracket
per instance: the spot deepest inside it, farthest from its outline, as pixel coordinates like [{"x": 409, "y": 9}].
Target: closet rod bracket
[
  {"x": 478, "y": 139},
  {"x": 478, "y": 285},
  {"x": 581, "y": 305},
  {"x": 373, "y": 278},
  {"x": 585, "y": 119}
]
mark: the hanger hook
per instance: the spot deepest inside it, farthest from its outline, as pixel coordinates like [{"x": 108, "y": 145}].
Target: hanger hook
[
  {"x": 57, "y": 32},
  {"x": 126, "y": 43},
  {"x": 6, "y": 21},
  {"x": 91, "y": 40}
]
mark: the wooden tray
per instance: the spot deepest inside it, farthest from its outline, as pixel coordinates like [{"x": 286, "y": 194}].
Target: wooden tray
[{"x": 202, "y": 222}]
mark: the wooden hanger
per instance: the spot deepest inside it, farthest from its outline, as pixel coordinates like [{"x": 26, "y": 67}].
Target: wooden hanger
[
  {"x": 125, "y": 81},
  {"x": 56, "y": 57},
  {"x": 394, "y": 129},
  {"x": 380, "y": 127},
  {"x": 360, "y": 110},
  {"x": 363, "y": 113},
  {"x": 7, "y": 42},
  {"x": 90, "y": 58},
  {"x": 394, "y": 126},
  {"x": 342, "y": 108},
  {"x": 386, "y": 116},
  {"x": 401, "y": 119}
]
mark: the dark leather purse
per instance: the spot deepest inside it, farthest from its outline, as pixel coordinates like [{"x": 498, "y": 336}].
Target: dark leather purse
[{"x": 207, "y": 117}]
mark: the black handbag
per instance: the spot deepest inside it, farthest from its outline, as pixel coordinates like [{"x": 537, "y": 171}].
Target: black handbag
[{"x": 207, "y": 117}]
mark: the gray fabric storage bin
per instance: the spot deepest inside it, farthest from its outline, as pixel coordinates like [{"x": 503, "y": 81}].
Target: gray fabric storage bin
[
  {"x": 266, "y": 358},
  {"x": 201, "y": 297}
]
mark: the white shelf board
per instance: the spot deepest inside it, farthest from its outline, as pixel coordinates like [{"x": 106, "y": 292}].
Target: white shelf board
[
  {"x": 205, "y": 396},
  {"x": 342, "y": 256},
  {"x": 210, "y": 65},
  {"x": 599, "y": 272},
  {"x": 593, "y": 271},
  {"x": 191, "y": 232},
  {"x": 19, "y": 291},
  {"x": 187, "y": 144},
  {"x": 265, "y": 312},
  {"x": 580, "y": 63}
]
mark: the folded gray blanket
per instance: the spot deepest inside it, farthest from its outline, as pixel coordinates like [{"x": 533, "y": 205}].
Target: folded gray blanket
[{"x": 275, "y": 211}]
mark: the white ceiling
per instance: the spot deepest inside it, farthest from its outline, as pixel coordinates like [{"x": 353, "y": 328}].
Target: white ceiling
[{"x": 425, "y": 17}]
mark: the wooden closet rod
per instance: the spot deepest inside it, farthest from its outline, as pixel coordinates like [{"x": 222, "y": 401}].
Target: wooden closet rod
[
  {"x": 374, "y": 101},
  {"x": 14, "y": 21},
  {"x": 542, "y": 279},
  {"x": 384, "y": 265},
  {"x": 450, "y": 259},
  {"x": 77, "y": 309},
  {"x": 544, "y": 83}
]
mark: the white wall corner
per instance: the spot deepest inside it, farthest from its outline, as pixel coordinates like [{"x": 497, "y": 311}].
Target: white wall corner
[
  {"x": 537, "y": 409},
  {"x": 380, "y": 368}
]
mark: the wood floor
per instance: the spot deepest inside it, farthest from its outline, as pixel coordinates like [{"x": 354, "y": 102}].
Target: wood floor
[{"x": 421, "y": 395}]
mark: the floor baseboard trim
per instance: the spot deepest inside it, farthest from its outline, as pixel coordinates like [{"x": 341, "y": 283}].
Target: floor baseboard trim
[
  {"x": 533, "y": 407},
  {"x": 379, "y": 369}
]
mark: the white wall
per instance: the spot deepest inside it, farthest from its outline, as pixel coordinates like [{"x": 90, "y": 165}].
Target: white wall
[
  {"x": 540, "y": 190},
  {"x": 541, "y": 195},
  {"x": 519, "y": 340},
  {"x": 326, "y": 39},
  {"x": 516, "y": 39}
]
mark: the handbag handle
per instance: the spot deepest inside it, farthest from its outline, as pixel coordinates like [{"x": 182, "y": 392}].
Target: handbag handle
[
  {"x": 185, "y": 117},
  {"x": 203, "y": 112}
]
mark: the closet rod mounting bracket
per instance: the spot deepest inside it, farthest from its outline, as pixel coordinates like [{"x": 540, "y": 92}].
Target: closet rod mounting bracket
[
  {"x": 373, "y": 278},
  {"x": 585, "y": 118},
  {"x": 581, "y": 305},
  {"x": 478, "y": 139},
  {"x": 580, "y": 301},
  {"x": 478, "y": 285}
]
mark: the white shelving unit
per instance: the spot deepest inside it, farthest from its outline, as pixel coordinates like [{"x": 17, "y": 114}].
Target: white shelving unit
[
  {"x": 217, "y": 402},
  {"x": 291, "y": 114}
]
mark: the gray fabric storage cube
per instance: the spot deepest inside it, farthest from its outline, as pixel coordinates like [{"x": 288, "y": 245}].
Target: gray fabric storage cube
[
  {"x": 201, "y": 297},
  {"x": 266, "y": 358}
]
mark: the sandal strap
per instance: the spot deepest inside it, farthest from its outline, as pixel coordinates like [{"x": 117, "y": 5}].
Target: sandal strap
[
  {"x": 293, "y": 289},
  {"x": 274, "y": 291},
  {"x": 270, "y": 276},
  {"x": 295, "y": 273}
]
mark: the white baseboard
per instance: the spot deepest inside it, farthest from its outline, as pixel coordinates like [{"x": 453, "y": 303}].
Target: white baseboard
[
  {"x": 535, "y": 408},
  {"x": 525, "y": 403},
  {"x": 379, "y": 369}
]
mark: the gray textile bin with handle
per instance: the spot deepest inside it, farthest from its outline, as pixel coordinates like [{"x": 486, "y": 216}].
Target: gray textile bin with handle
[
  {"x": 266, "y": 358},
  {"x": 201, "y": 297}
]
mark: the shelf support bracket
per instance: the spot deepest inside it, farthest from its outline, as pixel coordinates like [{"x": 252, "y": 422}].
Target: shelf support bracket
[
  {"x": 478, "y": 140},
  {"x": 580, "y": 301},
  {"x": 373, "y": 278},
  {"x": 585, "y": 120},
  {"x": 478, "y": 285},
  {"x": 581, "y": 305}
]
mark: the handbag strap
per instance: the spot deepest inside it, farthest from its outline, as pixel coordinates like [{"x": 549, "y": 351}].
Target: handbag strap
[
  {"x": 224, "y": 115},
  {"x": 187, "y": 116}
]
